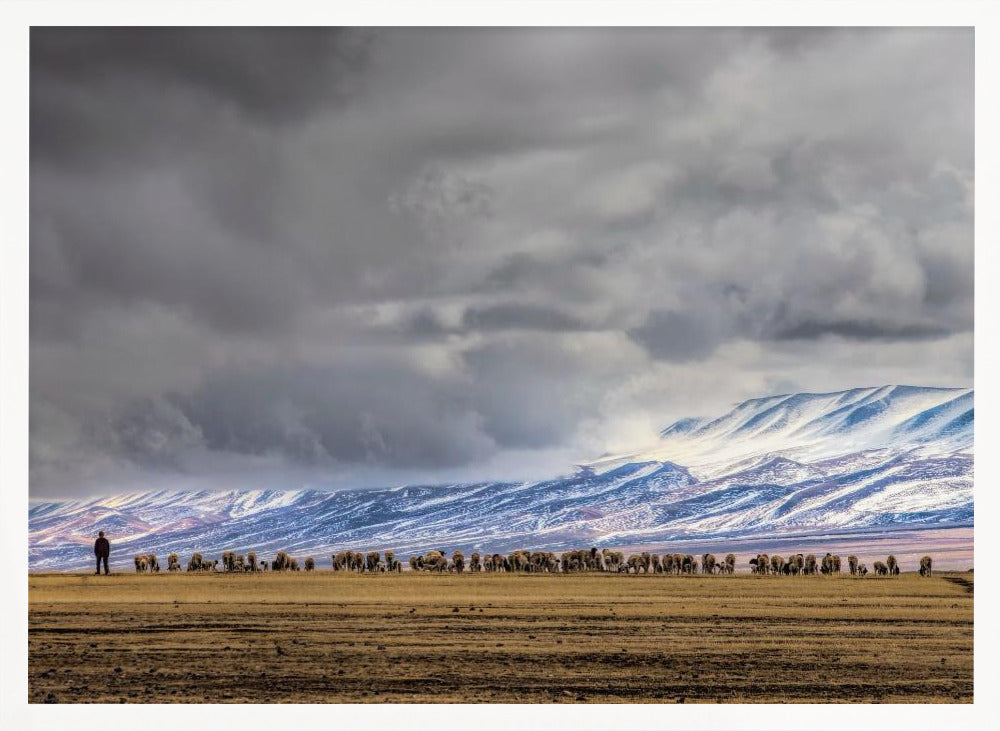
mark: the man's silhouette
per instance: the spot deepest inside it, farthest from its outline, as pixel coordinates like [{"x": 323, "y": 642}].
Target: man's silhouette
[{"x": 102, "y": 549}]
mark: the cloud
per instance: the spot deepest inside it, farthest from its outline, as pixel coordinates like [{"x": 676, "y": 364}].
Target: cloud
[
  {"x": 133, "y": 90},
  {"x": 861, "y": 330},
  {"x": 349, "y": 257},
  {"x": 677, "y": 336},
  {"x": 519, "y": 316}
]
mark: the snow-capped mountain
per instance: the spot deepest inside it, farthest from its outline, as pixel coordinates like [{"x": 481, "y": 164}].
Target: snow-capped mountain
[{"x": 796, "y": 464}]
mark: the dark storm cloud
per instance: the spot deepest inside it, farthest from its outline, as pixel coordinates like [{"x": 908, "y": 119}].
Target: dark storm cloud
[
  {"x": 861, "y": 330},
  {"x": 114, "y": 79},
  {"x": 416, "y": 252},
  {"x": 375, "y": 413},
  {"x": 677, "y": 336}
]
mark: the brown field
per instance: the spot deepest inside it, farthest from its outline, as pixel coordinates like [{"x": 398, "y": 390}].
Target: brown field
[{"x": 333, "y": 637}]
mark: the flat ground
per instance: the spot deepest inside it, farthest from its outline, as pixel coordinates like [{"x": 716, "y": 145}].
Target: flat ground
[{"x": 326, "y": 637}]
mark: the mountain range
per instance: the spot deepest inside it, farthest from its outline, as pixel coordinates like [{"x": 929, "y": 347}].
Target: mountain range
[{"x": 794, "y": 464}]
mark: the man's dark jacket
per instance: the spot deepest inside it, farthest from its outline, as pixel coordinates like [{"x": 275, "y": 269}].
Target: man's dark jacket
[{"x": 102, "y": 548}]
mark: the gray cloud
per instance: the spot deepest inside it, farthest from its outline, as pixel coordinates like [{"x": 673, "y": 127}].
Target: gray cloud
[
  {"x": 861, "y": 330},
  {"x": 514, "y": 316},
  {"x": 677, "y": 336},
  {"x": 312, "y": 256},
  {"x": 120, "y": 81}
]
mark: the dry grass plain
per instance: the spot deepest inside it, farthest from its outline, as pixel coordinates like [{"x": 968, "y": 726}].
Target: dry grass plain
[{"x": 474, "y": 638}]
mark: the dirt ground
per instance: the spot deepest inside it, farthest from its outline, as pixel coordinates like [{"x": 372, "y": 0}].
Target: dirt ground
[{"x": 475, "y": 638}]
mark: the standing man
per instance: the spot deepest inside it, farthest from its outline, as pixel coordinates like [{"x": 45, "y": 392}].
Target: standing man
[{"x": 102, "y": 549}]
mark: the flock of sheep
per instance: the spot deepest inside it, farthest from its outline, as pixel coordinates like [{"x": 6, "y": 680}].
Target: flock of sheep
[{"x": 525, "y": 561}]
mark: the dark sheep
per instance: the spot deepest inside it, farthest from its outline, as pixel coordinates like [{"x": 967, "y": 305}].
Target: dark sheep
[
  {"x": 392, "y": 564},
  {"x": 282, "y": 562},
  {"x": 761, "y": 564}
]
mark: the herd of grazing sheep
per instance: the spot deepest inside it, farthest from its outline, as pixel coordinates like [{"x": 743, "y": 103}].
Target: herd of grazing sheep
[{"x": 524, "y": 561}]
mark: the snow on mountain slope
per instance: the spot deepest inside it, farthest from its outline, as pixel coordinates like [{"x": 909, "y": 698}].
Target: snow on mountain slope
[
  {"x": 790, "y": 464},
  {"x": 811, "y": 426}
]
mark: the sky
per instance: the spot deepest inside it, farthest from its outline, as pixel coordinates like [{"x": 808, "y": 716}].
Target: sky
[{"x": 343, "y": 258}]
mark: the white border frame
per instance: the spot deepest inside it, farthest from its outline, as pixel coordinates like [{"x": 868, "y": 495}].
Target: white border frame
[{"x": 16, "y": 17}]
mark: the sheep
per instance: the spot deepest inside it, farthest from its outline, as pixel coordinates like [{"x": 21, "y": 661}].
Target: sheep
[
  {"x": 550, "y": 562},
  {"x": 310, "y": 564},
  {"x": 173, "y": 562},
  {"x": 578, "y": 560},
  {"x": 282, "y": 562},
  {"x": 925, "y": 566},
  {"x": 615, "y": 560},
  {"x": 432, "y": 561},
  {"x": 391, "y": 563},
  {"x": 146, "y": 562},
  {"x": 518, "y": 560},
  {"x": 852, "y": 564},
  {"x": 609, "y": 560},
  {"x": 892, "y": 565},
  {"x": 760, "y": 564},
  {"x": 345, "y": 561}
]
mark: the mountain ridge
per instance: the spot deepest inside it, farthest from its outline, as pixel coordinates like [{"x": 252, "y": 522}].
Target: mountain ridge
[{"x": 879, "y": 457}]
